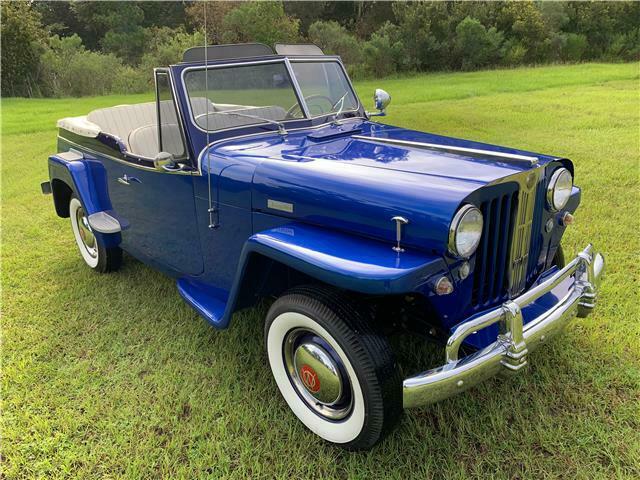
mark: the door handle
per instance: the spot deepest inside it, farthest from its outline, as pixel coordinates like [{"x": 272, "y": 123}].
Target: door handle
[{"x": 127, "y": 180}]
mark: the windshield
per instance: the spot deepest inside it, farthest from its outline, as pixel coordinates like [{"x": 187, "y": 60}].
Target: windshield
[
  {"x": 235, "y": 96},
  {"x": 241, "y": 95},
  {"x": 325, "y": 87}
]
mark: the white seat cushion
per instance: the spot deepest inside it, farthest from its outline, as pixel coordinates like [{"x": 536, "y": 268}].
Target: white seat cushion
[{"x": 144, "y": 141}]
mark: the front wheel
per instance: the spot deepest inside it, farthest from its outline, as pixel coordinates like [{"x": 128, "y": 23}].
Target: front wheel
[
  {"x": 336, "y": 373},
  {"x": 99, "y": 258}
]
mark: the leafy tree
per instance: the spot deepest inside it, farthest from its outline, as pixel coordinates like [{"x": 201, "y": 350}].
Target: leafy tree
[
  {"x": 625, "y": 46},
  {"x": 525, "y": 24},
  {"x": 59, "y": 17},
  {"x": 215, "y": 13},
  {"x": 475, "y": 45},
  {"x": 383, "y": 53},
  {"x": 574, "y": 47},
  {"x": 264, "y": 22},
  {"x": 334, "y": 39},
  {"x": 71, "y": 70},
  {"x": 23, "y": 41},
  {"x": 98, "y": 18},
  {"x": 307, "y": 12},
  {"x": 419, "y": 24}
]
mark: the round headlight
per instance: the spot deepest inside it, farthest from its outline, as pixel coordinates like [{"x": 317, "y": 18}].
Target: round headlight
[
  {"x": 559, "y": 189},
  {"x": 465, "y": 231}
]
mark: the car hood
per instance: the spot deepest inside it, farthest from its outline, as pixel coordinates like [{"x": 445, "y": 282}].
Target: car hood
[{"x": 358, "y": 175}]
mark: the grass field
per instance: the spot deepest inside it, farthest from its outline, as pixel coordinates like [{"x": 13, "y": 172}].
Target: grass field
[{"x": 114, "y": 376}]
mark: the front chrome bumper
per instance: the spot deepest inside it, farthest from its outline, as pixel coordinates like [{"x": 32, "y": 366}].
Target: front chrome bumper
[{"x": 509, "y": 352}]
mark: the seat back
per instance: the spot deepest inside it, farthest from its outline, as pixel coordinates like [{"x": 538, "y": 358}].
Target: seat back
[
  {"x": 144, "y": 140},
  {"x": 137, "y": 126}
]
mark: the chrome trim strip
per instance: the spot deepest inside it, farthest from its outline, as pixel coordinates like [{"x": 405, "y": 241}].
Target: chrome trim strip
[
  {"x": 474, "y": 151},
  {"x": 124, "y": 162},
  {"x": 509, "y": 351}
]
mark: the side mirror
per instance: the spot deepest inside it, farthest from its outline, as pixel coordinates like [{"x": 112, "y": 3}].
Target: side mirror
[
  {"x": 164, "y": 161},
  {"x": 381, "y": 99}
]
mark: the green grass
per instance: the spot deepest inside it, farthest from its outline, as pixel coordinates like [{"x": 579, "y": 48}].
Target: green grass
[{"x": 114, "y": 376}]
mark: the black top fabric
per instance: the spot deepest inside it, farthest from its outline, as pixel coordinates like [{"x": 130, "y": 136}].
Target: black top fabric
[{"x": 221, "y": 52}]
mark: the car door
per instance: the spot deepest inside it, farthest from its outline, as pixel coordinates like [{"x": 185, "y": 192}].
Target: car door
[{"x": 157, "y": 205}]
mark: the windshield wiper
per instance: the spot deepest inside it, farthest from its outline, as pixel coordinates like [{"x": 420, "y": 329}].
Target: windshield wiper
[
  {"x": 280, "y": 125},
  {"x": 341, "y": 102}
]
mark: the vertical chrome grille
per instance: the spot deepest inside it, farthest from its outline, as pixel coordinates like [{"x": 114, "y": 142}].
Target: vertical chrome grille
[
  {"x": 533, "y": 268},
  {"x": 502, "y": 259},
  {"x": 519, "y": 258},
  {"x": 520, "y": 246},
  {"x": 492, "y": 257}
]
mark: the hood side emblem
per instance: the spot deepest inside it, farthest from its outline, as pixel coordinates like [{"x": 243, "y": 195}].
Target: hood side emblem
[
  {"x": 278, "y": 205},
  {"x": 400, "y": 221}
]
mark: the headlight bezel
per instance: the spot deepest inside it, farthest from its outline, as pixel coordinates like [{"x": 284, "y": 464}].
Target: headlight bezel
[
  {"x": 551, "y": 189},
  {"x": 458, "y": 219}
]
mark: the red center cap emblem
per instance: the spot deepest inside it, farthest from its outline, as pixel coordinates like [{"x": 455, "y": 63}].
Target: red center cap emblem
[{"x": 310, "y": 378}]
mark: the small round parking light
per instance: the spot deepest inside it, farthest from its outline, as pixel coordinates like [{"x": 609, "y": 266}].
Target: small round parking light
[
  {"x": 463, "y": 271},
  {"x": 443, "y": 286}
]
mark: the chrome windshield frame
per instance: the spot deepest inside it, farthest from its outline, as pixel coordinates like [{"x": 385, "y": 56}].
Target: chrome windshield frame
[{"x": 294, "y": 83}]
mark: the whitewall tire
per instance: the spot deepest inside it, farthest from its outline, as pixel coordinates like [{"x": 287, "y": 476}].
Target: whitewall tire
[
  {"x": 337, "y": 375},
  {"x": 93, "y": 253}
]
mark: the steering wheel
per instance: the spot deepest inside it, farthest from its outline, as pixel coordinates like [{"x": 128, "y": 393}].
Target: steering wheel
[{"x": 306, "y": 99}]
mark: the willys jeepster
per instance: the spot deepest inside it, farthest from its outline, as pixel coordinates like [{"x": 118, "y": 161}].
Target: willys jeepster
[{"x": 257, "y": 173}]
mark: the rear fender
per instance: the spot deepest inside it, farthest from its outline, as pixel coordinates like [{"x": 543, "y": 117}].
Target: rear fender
[{"x": 71, "y": 173}]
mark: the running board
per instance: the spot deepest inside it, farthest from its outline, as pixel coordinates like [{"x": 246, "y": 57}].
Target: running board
[
  {"x": 436, "y": 146},
  {"x": 209, "y": 302}
]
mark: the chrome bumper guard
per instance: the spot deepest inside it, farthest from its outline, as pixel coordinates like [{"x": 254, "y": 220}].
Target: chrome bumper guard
[{"x": 509, "y": 352}]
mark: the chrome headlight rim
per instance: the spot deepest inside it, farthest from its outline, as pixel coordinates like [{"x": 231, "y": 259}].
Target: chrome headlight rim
[
  {"x": 551, "y": 189},
  {"x": 453, "y": 231}
]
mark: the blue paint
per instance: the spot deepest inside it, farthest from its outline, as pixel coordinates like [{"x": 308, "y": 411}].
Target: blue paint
[{"x": 342, "y": 191}]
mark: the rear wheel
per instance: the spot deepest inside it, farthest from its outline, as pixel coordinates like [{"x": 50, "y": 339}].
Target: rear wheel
[
  {"x": 99, "y": 258},
  {"x": 336, "y": 373}
]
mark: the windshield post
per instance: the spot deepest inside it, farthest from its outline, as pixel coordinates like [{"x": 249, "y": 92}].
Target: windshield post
[{"x": 296, "y": 87}]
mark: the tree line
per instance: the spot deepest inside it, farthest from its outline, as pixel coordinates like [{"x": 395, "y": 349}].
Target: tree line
[{"x": 88, "y": 48}]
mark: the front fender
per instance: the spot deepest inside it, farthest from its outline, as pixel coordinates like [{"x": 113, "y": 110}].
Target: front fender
[{"x": 348, "y": 262}]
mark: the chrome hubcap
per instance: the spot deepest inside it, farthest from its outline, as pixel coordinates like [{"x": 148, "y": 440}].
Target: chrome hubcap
[
  {"x": 317, "y": 373},
  {"x": 86, "y": 234}
]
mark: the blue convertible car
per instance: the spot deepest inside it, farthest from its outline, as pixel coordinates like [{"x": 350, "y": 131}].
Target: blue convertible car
[{"x": 259, "y": 174}]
